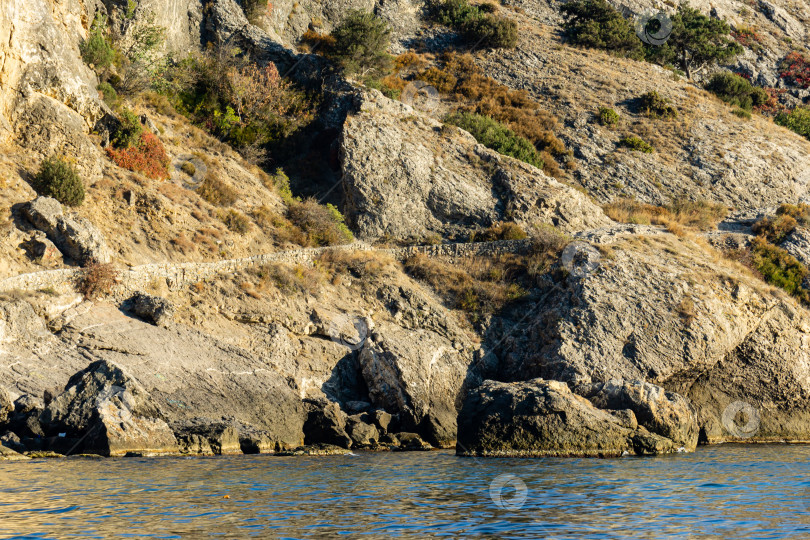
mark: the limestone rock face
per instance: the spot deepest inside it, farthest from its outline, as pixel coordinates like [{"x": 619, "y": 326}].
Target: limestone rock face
[
  {"x": 75, "y": 236},
  {"x": 544, "y": 418},
  {"x": 406, "y": 176},
  {"x": 6, "y": 405},
  {"x": 109, "y": 413},
  {"x": 666, "y": 413},
  {"x": 419, "y": 375},
  {"x": 48, "y": 99},
  {"x": 668, "y": 312}
]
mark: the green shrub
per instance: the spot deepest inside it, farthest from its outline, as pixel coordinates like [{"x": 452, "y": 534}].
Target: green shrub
[
  {"x": 742, "y": 113},
  {"x": 597, "y": 24},
  {"x": 496, "y": 136},
  {"x": 779, "y": 268},
  {"x": 129, "y": 130},
  {"x": 361, "y": 44},
  {"x": 797, "y": 120},
  {"x": 607, "y": 116},
  {"x": 736, "y": 90},
  {"x": 108, "y": 94},
  {"x": 58, "y": 179},
  {"x": 476, "y": 23},
  {"x": 491, "y": 31},
  {"x": 655, "y": 106},
  {"x": 323, "y": 225},
  {"x": 96, "y": 50},
  {"x": 635, "y": 143}
]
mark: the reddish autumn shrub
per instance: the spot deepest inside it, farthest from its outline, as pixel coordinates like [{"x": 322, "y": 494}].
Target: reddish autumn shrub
[
  {"x": 795, "y": 69},
  {"x": 147, "y": 157}
]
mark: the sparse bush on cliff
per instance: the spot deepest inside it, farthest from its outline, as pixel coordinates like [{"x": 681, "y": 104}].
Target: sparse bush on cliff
[
  {"x": 607, "y": 116},
  {"x": 147, "y": 156},
  {"x": 598, "y": 25},
  {"x": 323, "y": 225},
  {"x": 797, "y": 120},
  {"x": 499, "y": 231},
  {"x": 736, "y": 90},
  {"x": 476, "y": 23},
  {"x": 795, "y": 69},
  {"x": 775, "y": 229},
  {"x": 235, "y": 221},
  {"x": 59, "y": 179},
  {"x": 655, "y": 106},
  {"x": 800, "y": 212},
  {"x": 636, "y": 143},
  {"x": 96, "y": 50},
  {"x": 247, "y": 106},
  {"x": 780, "y": 268},
  {"x": 217, "y": 192},
  {"x": 97, "y": 280},
  {"x": 108, "y": 94},
  {"x": 496, "y": 136},
  {"x": 361, "y": 42},
  {"x": 129, "y": 131}
]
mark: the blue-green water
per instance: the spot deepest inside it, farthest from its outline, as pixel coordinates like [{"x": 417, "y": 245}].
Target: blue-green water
[{"x": 725, "y": 492}]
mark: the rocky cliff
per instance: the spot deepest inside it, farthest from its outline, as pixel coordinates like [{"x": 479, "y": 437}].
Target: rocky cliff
[{"x": 580, "y": 337}]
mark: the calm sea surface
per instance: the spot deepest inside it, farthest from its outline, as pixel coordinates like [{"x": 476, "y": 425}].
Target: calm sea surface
[{"x": 727, "y": 492}]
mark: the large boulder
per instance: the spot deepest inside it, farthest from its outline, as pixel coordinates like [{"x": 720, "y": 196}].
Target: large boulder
[
  {"x": 545, "y": 418},
  {"x": 666, "y": 413},
  {"x": 153, "y": 309},
  {"x": 109, "y": 413},
  {"x": 75, "y": 236},
  {"x": 326, "y": 424},
  {"x": 407, "y": 176},
  {"x": 417, "y": 374}
]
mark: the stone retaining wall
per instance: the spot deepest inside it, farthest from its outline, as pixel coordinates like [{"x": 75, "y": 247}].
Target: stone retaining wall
[{"x": 183, "y": 274}]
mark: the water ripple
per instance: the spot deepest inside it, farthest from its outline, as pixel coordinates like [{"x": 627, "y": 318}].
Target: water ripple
[{"x": 719, "y": 492}]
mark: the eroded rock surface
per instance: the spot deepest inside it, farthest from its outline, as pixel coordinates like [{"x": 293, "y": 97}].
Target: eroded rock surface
[
  {"x": 407, "y": 176},
  {"x": 545, "y": 418}
]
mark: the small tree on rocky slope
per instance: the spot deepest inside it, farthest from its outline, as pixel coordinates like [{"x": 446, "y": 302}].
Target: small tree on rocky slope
[
  {"x": 361, "y": 44},
  {"x": 696, "y": 41}
]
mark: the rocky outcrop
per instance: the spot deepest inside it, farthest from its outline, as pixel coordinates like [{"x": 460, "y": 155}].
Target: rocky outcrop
[
  {"x": 75, "y": 236},
  {"x": 6, "y": 405},
  {"x": 108, "y": 412},
  {"x": 672, "y": 313},
  {"x": 419, "y": 375},
  {"x": 665, "y": 413},
  {"x": 406, "y": 176},
  {"x": 326, "y": 424},
  {"x": 544, "y": 418}
]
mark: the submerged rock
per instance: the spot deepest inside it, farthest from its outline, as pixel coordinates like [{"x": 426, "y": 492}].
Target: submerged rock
[
  {"x": 545, "y": 418},
  {"x": 108, "y": 413}
]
